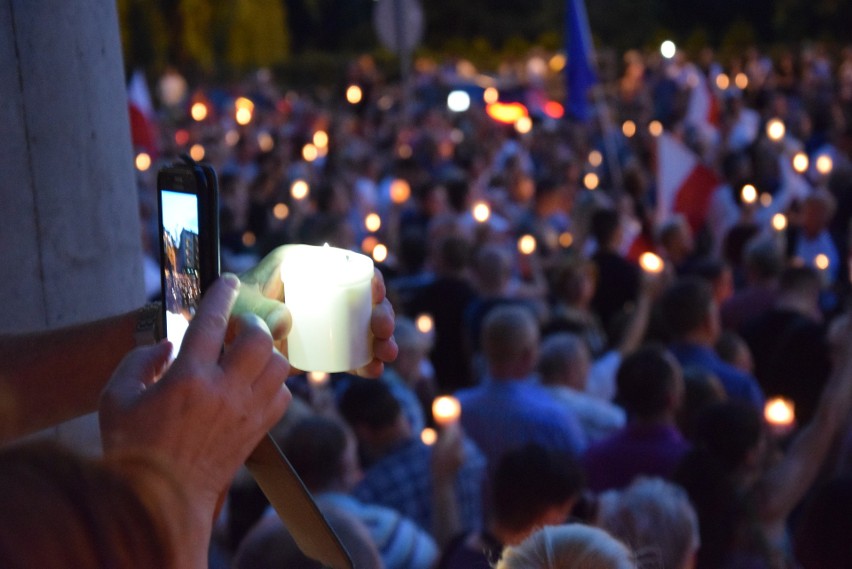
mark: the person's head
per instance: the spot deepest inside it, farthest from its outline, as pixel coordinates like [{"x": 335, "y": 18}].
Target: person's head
[
  {"x": 650, "y": 384},
  {"x": 58, "y": 509},
  {"x": 732, "y": 432},
  {"x": 493, "y": 268},
  {"x": 718, "y": 275},
  {"x": 701, "y": 389},
  {"x": 452, "y": 254},
  {"x": 532, "y": 487},
  {"x": 270, "y": 546},
  {"x": 655, "y": 519},
  {"x": 510, "y": 341},
  {"x": 763, "y": 260},
  {"x": 564, "y": 359},
  {"x": 675, "y": 236},
  {"x": 689, "y": 311},
  {"x": 570, "y": 546},
  {"x": 374, "y": 415},
  {"x": 606, "y": 228},
  {"x": 573, "y": 281},
  {"x": 323, "y": 453},
  {"x": 414, "y": 347},
  {"x": 817, "y": 210},
  {"x": 732, "y": 348},
  {"x": 801, "y": 286}
]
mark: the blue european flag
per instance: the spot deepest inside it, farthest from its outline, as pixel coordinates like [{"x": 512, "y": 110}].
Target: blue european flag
[{"x": 580, "y": 68}]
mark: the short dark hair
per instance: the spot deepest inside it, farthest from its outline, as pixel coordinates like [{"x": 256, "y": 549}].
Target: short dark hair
[
  {"x": 529, "y": 480},
  {"x": 799, "y": 280},
  {"x": 605, "y": 222},
  {"x": 369, "y": 402},
  {"x": 728, "y": 430},
  {"x": 685, "y": 304},
  {"x": 315, "y": 447},
  {"x": 646, "y": 379}
]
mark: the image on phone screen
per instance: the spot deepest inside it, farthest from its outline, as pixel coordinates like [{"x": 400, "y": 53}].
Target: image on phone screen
[{"x": 181, "y": 268}]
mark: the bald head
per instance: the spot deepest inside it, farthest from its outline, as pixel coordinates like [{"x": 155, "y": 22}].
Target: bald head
[{"x": 510, "y": 341}]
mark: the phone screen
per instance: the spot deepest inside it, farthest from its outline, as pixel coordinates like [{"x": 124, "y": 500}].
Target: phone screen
[{"x": 181, "y": 262}]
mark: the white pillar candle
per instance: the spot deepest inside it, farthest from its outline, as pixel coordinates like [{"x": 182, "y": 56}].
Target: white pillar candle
[{"x": 329, "y": 294}]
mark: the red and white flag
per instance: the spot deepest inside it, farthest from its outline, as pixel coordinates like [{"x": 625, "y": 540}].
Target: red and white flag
[
  {"x": 684, "y": 184},
  {"x": 702, "y": 109}
]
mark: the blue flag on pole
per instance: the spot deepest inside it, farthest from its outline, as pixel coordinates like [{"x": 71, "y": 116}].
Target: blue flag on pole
[{"x": 580, "y": 68}]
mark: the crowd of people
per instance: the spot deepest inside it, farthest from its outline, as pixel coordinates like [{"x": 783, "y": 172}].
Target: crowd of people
[{"x": 613, "y": 413}]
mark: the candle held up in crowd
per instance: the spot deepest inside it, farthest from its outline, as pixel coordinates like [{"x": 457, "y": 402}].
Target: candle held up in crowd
[{"x": 446, "y": 410}]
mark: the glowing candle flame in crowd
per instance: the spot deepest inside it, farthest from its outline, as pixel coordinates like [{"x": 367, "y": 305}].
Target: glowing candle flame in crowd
[
  {"x": 490, "y": 95},
  {"x": 318, "y": 378},
  {"x": 723, "y": 81},
  {"x": 299, "y": 189},
  {"x": 281, "y": 211},
  {"x": 143, "y": 161},
  {"x": 310, "y": 152},
  {"x": 428, "y": 436},
  {"x": 779, "y": 222},
  {"x": 749, "y": 194},
  {"x": 668, "y": 49},
  {"x": 655, "y": 128},
  {"x": 595, "y": 158},
  {"x": 523, "y": 125},
  {"x": 566, "y": 239},
  {"x": 400, "y": 191},
  {"x": 354, "y": 94},
  {"x": 197, "y": 152},
  {"x": 557, "y": 62},
  {"x": 249, "y": 239},
  {"x": 779, "y": 412},
  {"x": 741, "y": 81},
  {"x": 766, "y": 199},
  {"x": 446, "y": 410},
  {"x": 380, "y": 253},
  {"x": 527, "y": 245},
  {"x": 824, "y": 164},
  {"x": 424, "y": 323},
  {"x": 591, "y": 181},
  {"x": 821, "y": 261},
  {"x": 507, "y": 113},
  {"x": 320, "y": 139},
  {"x": 244, "y": 110},
  {"x": 481, "y": 212},
  {"x": 801, "y": 162},
  {"x": 373, "y": 222},
  {"x": 198, "y": 111},
  {"x": 628, "y": 128},
  {"x": 651, "y": 262},
  {"x": 775, "y": 129}
]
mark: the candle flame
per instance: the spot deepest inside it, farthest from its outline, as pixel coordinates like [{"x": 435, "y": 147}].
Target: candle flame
[
  {"x": 446, "y": 410},
  {"x": 318, "y": 378},
  {"x": 425, "y": 323},
  {"x": 749, "y": 194},
  {"x": 650, "y": 262},
  {"x": 527, "y": 245},
  {"x": 779, "y": 412},
  {"x": 779, "y": 222},
  {"x": 821, "y": 261},
  {"x": 428, "y": 436}
]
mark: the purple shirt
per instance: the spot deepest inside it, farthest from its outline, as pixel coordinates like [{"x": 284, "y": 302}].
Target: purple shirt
[{"x": 651, "y": 450}]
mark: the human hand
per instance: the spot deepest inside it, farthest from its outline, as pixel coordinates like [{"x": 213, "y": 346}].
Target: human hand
[
  {"x": 447, "y": 454},
  {"x": 207, "y": 412},
  {"x": 262, "y": 293}
]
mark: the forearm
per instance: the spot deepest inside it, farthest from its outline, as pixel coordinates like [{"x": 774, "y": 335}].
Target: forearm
[
  {"x": 446, "y": 521},
  {"x": 50, "y": 377}
]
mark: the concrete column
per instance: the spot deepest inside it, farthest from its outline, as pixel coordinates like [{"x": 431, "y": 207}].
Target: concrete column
[{"x": 69, "y": 224}]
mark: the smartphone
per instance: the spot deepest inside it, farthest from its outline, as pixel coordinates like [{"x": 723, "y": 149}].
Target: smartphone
[{"x": 188, "y": 205}]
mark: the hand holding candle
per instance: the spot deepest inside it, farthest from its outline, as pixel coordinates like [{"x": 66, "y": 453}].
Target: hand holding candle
[
  {"x": 263, "y": 292},
  {"x": 328, "y": 292}
]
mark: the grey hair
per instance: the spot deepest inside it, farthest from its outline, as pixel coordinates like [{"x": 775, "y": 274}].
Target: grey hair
[
  {"x": 655, "y": 518},
  {"x": 571, "y": 546}
]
